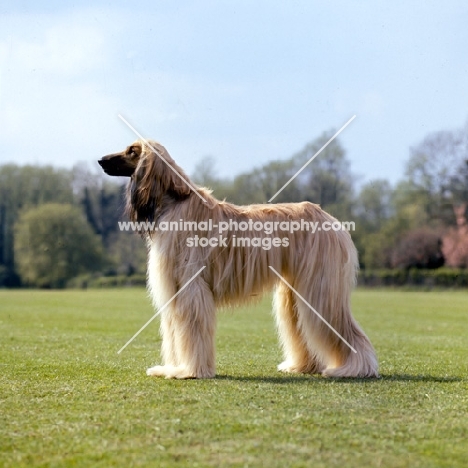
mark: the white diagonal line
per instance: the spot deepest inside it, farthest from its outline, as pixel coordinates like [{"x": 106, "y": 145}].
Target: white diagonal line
[
  {"x": 312, "y": 158},
  {"x": 311, "y": 308},
  {"x": 161, "y": 309},
  {"x": 145, "y": 141}
]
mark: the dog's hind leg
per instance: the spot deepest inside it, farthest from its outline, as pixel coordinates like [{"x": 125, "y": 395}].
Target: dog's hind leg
[
  {"x": 332, "y": 333},
  {"x": 348, "y": 355},
  {"x": 360, "y": 361},
  {"x": 297, "y": 356}
]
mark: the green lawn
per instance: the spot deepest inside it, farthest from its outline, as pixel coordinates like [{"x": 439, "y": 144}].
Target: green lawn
[{"x": 68, "y": 399}]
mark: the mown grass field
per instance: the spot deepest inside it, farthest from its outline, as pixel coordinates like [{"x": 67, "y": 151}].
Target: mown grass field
[{"x": 68, "y": 399}]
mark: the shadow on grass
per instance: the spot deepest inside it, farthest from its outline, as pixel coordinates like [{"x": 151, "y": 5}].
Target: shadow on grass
[
  {"x": 299, "y": 379},
  {"x": 420, "y": 378}
]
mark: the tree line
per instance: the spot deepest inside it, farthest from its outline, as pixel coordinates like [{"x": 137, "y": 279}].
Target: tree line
[{"x": 57, "y": 224}]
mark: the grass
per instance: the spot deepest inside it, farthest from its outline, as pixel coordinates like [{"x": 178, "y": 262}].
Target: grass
[{"x": 68, "y": 399}]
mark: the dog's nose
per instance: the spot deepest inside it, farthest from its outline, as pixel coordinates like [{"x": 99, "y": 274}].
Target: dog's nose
[
  {"x": 107, "y": 157},
  {"x": 116, "y": 165}
]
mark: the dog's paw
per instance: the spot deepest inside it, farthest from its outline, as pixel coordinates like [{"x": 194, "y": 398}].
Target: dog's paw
[
  {"x": 177, "y": 372},
  {"x": 159, "y": 371},
  {"x": 291, "y": 368},
  {"x": 287, "y": 366},
  {"x": 180, "y": 373},
  {"x": 170, "y": 372}
]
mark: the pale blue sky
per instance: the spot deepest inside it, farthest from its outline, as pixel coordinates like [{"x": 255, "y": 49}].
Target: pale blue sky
[{"x": 245, "y": 82}]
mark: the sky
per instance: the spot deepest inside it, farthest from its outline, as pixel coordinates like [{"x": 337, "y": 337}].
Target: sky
[{"x": 245, "y": 82}]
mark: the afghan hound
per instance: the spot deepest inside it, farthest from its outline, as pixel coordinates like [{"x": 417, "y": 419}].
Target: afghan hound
[{"x": 309, "y": 272}]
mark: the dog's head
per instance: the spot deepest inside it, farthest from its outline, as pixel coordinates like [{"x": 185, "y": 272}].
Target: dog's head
[
  {"x": 123, "y": 163},
  {"x": 155, "y": 178}
]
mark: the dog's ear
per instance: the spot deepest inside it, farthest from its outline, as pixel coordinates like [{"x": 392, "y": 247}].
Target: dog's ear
[
  {"x": 172, "y": 178},
  {"x": 156, "y": 180}
]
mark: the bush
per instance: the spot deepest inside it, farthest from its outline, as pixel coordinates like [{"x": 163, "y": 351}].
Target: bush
[
  {"x": 95, "y": 281},
  {"x": 443, "y": 277},
  {"x": 54, "y": 243},
  {"x": 420, "y": 248}
]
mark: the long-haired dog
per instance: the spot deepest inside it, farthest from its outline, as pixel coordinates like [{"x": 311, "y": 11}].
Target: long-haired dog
[{"x": 320, "y": 267}]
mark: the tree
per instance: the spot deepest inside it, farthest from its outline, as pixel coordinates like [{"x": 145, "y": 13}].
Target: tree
[
  {"x": 437, "y": 173},
  {"x": 205, "y": 175},
  {"x": 22, "y": 187},
  {"x": 103, "y": 201},
  {"x": 455, "y": 240},
  {"x": 326, "y": 181},
  {"x": 407, "y": 215},
  {"x": 128, "y": 253},
  {"x": 260, "y": 184},
  {"x": 419, "y": 248},
  {"x": 373, "y": 208},
  {"x": 374, "y": 205},
  {"x": 54, "y": 243}
]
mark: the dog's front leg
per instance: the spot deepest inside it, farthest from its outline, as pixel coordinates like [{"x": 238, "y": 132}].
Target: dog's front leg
[{"x": 193, "y": 327}]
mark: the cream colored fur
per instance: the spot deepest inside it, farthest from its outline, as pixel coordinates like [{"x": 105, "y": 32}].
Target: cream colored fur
[{"x": 321, "y": 267}]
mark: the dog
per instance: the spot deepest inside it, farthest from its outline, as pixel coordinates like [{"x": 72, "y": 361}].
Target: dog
[{"x": 312, "y": 274}]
